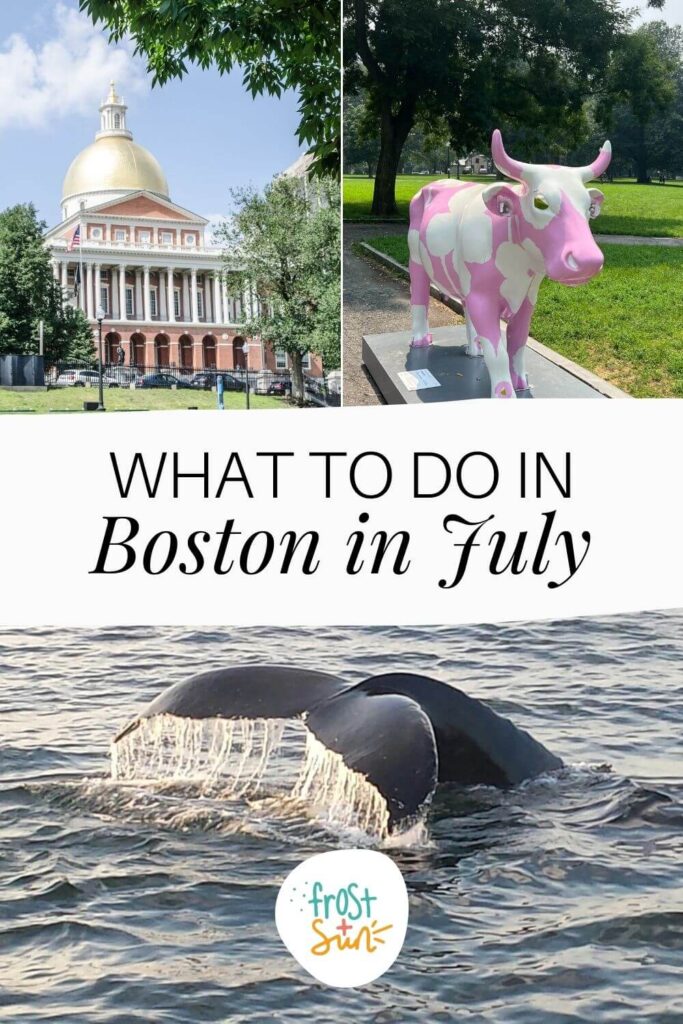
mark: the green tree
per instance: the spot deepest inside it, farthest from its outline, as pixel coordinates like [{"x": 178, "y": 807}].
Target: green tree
[
  {"x": 29, "y": 294},
  {"x": 640, "y": 88},
  {"x": 361, "y": 142},
  {"x": 287, "y": 240},
  {"x": 279, "y": 44},
  {"x": 479, "y": 63}
]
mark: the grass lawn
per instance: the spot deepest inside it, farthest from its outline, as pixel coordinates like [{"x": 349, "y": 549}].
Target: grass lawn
[
  {"x": 125, "y": 399},
  {"x": 629, "y": 209},
  {"x": 626, "y": 325}
]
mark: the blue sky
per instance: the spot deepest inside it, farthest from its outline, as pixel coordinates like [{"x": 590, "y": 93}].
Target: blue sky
[{"x": 206, "y": 131}]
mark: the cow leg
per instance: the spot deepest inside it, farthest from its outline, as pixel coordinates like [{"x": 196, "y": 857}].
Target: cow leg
[
  {"x": 486, "y": 323},
  {"x": 517, "y": 337},
  {"x": 473, "y": 344},
  {"x": 419, "y": 279}
]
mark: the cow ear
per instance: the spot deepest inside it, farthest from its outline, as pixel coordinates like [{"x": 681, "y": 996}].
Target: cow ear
[
  {"x": 500, "y": 200},
  {"x": 597, "y": 199}
]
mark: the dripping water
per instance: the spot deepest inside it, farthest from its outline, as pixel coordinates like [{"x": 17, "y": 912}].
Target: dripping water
[{"x": 241, "y": 757}]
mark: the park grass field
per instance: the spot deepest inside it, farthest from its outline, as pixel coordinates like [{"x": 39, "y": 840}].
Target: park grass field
[
  {"x": 648, "y": 210},
  {"x": 626, "y": 325},
  {"x": 127, "y": 400}
]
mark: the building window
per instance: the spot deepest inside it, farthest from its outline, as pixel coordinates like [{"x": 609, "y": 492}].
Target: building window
[
  {"x": 176, "y": 302},
  {"x": 200, "y": 304},
  {"x": 129, "y": 300},
  {"x": 119, "y": 234},
  {"x": 96, "y": 233},
  {"x": 145, "y": 237},
  {"x": 280, "y": 360},
  {"x": 153, "y": 301},
  {"x": 167, "y": 238},
  {"x": 306, "y": 361},
  {"x": 117, "y": 120},
  {"x": 104, "y": 298},
  {"x": 191, "y": 240}
]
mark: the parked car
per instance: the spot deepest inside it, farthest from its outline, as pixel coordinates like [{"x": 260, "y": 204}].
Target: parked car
[
  {"x": 77, "y": 378},
  {"x": 280, "y": 386},
  {"x": 122, "y": 376},
  {"x": 161, "y": 380},
  {"x": 334, "y": 382},
  {"x": 209, "y": 379},
  {"x": 261, "y": 384}
]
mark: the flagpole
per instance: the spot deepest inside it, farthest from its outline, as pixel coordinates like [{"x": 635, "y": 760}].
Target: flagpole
[{"x": 80, "y": 255}]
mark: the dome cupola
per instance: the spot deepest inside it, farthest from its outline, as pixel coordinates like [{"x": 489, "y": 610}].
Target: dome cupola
[{"x": 113, "y": 116}]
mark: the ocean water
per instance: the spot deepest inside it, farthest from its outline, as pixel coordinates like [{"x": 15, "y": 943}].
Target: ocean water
[{"x": 561, "y": 900}]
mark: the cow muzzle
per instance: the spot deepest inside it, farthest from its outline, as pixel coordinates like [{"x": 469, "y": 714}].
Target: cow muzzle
[{"x": 580, "y": 264}]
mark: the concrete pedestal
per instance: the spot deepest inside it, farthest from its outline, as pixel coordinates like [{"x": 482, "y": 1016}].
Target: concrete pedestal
[{"x": 460, "y": 376}]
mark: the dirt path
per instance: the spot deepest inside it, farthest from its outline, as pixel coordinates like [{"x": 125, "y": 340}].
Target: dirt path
[{"x": 374, "y": 302}]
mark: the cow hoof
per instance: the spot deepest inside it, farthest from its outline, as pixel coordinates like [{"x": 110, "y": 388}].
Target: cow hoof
[
  {"x": 476, "y": 351},
  {"x": 504, "y": 389},
  {"x": 423, "y": 342}
]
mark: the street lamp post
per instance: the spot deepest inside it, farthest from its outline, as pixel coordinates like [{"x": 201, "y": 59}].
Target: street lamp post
[
  {"x": 245, "y": 349},
  {"x": 99, "y": 316}
]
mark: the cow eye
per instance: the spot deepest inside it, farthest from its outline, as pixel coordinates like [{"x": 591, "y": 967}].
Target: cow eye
[{"x": 541, "y": 203}]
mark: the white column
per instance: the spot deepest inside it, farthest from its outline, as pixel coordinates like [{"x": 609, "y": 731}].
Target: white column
[
  {"x": 89, "y": 292},
  {"x": 195, "y": 304},
  {"x": 138, "y": 293},
  {"x": 226, "y": 302},
  {"x": 98, "y": 285},
  {"x": 162, "y": 295},
  {"x": 217, "y": 312},
  {"x": 122, "y": 292},
  {"x": 207, "y": 304},
  {"x": 80, "y": 269},
  {"x": 170, "y": 296},
  {"x": 147, "y": 302},
  {"x": 186, "y": 295},
  {"x": 65, "y": 275},
  {"x": 114, "y": 293},
  {"x": 55, "y": 270}
]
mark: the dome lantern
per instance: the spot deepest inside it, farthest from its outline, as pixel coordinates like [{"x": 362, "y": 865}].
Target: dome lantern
[{"x": 113, "y": 116}]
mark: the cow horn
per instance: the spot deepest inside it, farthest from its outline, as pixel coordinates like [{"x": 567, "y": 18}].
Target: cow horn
[
  {"x": 505, "y": 164},
  {"x": 599, "y": 165}
]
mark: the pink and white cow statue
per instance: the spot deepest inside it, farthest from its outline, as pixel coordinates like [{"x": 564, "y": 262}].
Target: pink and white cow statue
[{"x": 491, "y": 245}]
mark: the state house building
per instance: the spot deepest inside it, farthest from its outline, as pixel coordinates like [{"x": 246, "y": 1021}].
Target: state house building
[{"x": 163, "y": 287}]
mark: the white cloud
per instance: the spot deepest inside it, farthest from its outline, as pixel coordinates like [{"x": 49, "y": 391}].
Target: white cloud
[
  {"x": 68, "y": 74},
  {"x": 216, "y": 220}
]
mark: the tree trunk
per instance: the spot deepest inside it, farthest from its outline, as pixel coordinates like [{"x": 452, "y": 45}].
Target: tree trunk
[
  {"x": 298, "y": 393},
  {"x": 394, "y": 132},
  {"x": 641, "y": 157}
]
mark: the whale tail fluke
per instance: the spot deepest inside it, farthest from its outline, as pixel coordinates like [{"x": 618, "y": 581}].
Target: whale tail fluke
[
  {"x": 388, "y": 740},
  {"x": 400, "y": 734},
  {"x": 246, "y": 691}
]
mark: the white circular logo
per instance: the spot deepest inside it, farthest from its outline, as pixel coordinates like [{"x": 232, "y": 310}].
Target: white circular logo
[{"x": 343, "y": 915}]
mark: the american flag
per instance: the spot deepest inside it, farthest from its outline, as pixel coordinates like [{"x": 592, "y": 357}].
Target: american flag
[{"x": 75, "y": 239}]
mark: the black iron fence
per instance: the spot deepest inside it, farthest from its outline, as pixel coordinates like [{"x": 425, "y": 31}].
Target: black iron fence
[{"x": 317, "y": 390}]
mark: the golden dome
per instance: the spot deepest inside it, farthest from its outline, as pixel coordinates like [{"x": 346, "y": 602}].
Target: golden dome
[{"x": 114, "y": 163}]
